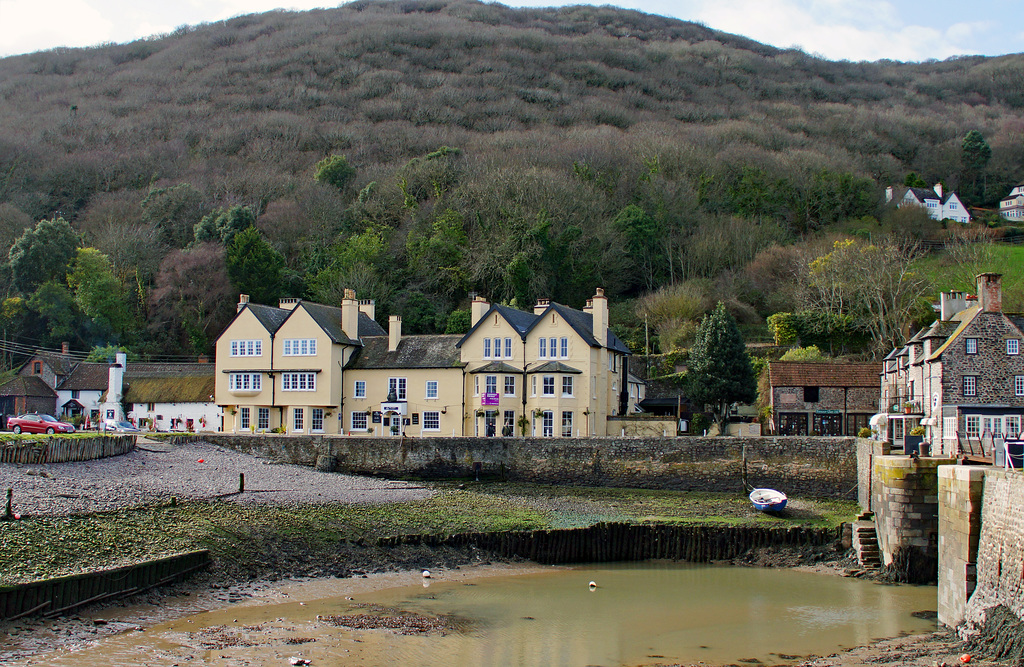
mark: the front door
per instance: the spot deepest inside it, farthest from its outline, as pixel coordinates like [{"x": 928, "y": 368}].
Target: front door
[{"x": 490, "y": 423}]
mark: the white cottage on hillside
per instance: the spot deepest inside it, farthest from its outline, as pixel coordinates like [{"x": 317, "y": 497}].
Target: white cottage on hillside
[{"x": 939, "y": 205}]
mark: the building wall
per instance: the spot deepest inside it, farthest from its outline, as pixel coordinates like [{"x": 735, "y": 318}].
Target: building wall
[
  {"x": 960, "y": 495},
  {"x": 905, "y": 501},
  {"x": 798, "y": 466},
  {"x": 1000, "y": 548},
  {"x": 449, "y": 401},
  {"x": 845, "y": 401},
  {"x": 164, "y": 416}
]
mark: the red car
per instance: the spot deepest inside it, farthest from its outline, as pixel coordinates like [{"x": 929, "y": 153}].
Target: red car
[{"x": 38, "y": 424}]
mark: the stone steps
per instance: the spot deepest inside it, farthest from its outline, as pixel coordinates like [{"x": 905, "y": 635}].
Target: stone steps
[{"x": 865, "y": 544}]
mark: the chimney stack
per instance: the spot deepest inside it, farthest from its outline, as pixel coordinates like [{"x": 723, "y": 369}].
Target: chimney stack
[
  {"x": 65, "y": 348},
  {"x": 888, "y": 194},
  {"x": 990, "y": 292},
  {"x": 951, "y": 303},
  {"x": 350, "y": 315},
  {"x": 599, "y": 311},
  {"x": 478, "y": 308},
  {"x": 242, "y": 300},
  {"x": 938, "y": 189},
  {"x": 541, "y": 306},
  {"x": 394, "y": 332}
]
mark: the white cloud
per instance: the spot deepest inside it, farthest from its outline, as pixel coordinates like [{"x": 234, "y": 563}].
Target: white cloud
[
  {"x": 25, "y": 24},
  {"x": 868, "y": 30}
]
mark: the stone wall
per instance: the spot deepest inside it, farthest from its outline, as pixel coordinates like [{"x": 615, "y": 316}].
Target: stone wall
[
  {"x": 867, "y": 451},
  {"x": 960, "y": 494},
  {"x": 1000, "y": 548},
  {"x": 807, "y": 466},
  {"x": 905, "y": 494}
]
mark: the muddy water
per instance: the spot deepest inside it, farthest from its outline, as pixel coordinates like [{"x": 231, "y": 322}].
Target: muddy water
[{"x": 638, "y": 614}]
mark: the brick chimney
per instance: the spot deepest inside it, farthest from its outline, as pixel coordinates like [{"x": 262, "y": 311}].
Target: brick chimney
[
  {"x": 478, "y": 308},
  {"x": 394, "y": 332},
  {"x": 350, "y": 314},
  {"x": 990, "y": 292},
  {"x": 242, "y": 300},
  {"x": 65, "y": 348},
  {"x": 599, "y": 310}
]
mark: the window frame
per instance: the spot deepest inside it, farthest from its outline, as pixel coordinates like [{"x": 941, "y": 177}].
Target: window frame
[
  {"x": 431, "y": 417},
  {"x": 247, "y": 347},
  {"x": 299, "y": 347},
  {"x": 316, "y": 415},
  {"x": 427, "y": 393},
  {"x": 490, "y": 384},
  {"x": 1012, "y": 346},
  {"x": 971, "y": 346},
  {"x": 262, "y": 419},
  {"x": 365, "y": 417},
  {"x": 567, "y": 423},
  {"x": 400, "y": 386},
  {"x": 563, "y": 347},
  {"x": 508, "y": 348},
  {"x": 969, "y": 385},
  {"x": 548, "y": 385},
  {"x": 567, "y": 381},
  {"x": 245, "y": 382},
  {"x": 510, "y": 382},
  {"x": 487, "y": 348},
  {"x": 1018, "y": 385},
  {"x": 298, "y": 419},
  {"x": 243, "y": 418},
  {"x": 294, "y": 381},
  {"x": 359, "y": 389}
]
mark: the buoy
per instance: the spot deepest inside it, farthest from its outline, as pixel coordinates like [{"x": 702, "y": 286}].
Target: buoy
[
  {"x": 426, "y": 574},
  {"x": 966, "y": 658},
  {"x": 593, "y": 584},
  {"x": 202, "y": 461}
]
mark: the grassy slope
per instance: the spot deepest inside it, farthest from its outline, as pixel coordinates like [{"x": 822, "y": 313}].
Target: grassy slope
[{"x": 243, "y": 538}]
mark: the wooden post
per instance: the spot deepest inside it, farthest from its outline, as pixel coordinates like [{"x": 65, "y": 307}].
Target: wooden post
[
  {"x": 744, "y": 474},
  {"x": 9, "y": 512},
  {"x": 241, "y": 482}
]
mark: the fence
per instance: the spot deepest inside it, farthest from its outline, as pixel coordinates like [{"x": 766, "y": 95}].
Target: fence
[
  {"x": 53, "y": 597},
  {"x": 62, "y": 450},
  {"x": 627, "y": 542}
]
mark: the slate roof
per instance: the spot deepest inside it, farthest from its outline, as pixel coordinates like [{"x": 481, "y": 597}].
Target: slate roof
[
  {"x": 823, "y": 374},
  {"x": 87, "y": 376},
  {"x": 270, "y": 317},
  {"x": 497, "y": 367},
  {"x": 929, "y": 193},
  {"x": 31, "y": 385},
  {"x": 439, "y": 351},
  {"x": 553, "y": 367},
  {"x": 522, "y": 322}
]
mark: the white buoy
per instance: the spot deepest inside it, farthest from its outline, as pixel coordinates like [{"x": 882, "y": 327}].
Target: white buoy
[
  {"x": 593, "y": 584},
  {"x": 426, "y": 574}
]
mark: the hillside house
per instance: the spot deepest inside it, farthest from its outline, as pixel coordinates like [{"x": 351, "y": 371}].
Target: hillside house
[
  {"x": 962, "y": 378},
  {"x": 939, "y": 205},
  {"x": 310, "y": 368},
  {"x": 1012, "y": 207},
  {"x": 822, "y": 398}
]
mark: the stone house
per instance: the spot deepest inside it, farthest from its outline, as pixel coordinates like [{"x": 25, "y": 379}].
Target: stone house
[
  {"x": 822, "y": 398},
  {"x": 962, "y": 378},
  {"x": 310, "y": 368}
]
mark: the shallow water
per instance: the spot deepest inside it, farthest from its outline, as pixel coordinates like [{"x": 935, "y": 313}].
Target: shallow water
[{"x": 640, "y": 613}]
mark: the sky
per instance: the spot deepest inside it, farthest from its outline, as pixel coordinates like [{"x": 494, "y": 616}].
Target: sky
[{"x": 905, "y": 30}]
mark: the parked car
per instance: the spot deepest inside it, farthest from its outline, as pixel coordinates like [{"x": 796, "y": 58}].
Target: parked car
[
  {"x": 120, "y": 426},
  {"x": 36, "y": 423}
]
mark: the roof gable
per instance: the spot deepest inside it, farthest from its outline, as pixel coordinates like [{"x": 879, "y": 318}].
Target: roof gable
[
  {"x": 965, "y": 317},
  {"x": 31, "y": 385},
  {"x": 519, "y": 320}
]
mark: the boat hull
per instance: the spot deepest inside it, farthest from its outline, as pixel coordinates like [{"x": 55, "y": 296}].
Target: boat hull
[{"x": 768, "y": 500}]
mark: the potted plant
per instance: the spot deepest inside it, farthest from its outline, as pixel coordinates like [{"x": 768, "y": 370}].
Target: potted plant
[
  {"x": 908, "y": 408},
  {"x": 912, "y": 441}
]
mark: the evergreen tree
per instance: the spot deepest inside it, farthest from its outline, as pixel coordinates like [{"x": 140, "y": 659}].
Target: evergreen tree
[
  {"x": 720, "y": 373},
  {"x": 254, "y": 267},
  {"x": 974, "y": 157}
]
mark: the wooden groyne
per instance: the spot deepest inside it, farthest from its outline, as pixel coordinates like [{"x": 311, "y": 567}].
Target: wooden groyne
[
  {"x": 53, "y": 597},
  {"x": 627, "y": 542},
  {"x": 63, "y": 450}
]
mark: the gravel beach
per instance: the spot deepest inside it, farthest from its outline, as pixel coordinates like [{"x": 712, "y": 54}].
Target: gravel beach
[{"x": 157, "y": 472}]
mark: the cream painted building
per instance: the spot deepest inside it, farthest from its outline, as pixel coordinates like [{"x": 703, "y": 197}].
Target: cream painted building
[{"x": 552, "y": 372}]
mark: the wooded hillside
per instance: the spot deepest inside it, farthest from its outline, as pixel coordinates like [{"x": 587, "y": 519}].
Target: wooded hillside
[{"x": 516, "y": 152}]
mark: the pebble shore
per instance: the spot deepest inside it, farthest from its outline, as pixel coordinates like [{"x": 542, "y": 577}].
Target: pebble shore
[{"x": 155, "y": 473}]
